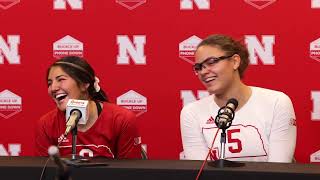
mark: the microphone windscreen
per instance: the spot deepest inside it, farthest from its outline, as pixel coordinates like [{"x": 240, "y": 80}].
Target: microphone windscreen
[
  {"x": 53, "y": 150},
  {"x": 81, "y": 106},
  {"x": 234, "y": 102}
]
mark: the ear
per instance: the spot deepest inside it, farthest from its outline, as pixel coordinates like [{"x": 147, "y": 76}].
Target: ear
[
  {"x": 236, "y": 61},
  {"x": 84, "y": 87}
]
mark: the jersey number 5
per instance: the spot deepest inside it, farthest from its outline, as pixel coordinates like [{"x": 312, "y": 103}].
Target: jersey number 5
[{"x": 238, "y": 145}]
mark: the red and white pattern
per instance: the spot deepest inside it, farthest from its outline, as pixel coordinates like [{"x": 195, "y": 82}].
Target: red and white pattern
[{"x": 148, "y": 34}]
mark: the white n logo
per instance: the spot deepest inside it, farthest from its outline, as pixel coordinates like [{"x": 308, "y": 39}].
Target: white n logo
[
  {"x": 62, "y": 4},
  {"x": 135, "y": 51},
  {"x": 13, "y": 150},
  {"x": 187, "y": 96},
  {"x": 10, "y": 49},
  {"x": 315, "y": 96},
  {"x": 188, "y": 4},
  {"x": 315, "y": 4},
  {"x": 255, "y": 48}
]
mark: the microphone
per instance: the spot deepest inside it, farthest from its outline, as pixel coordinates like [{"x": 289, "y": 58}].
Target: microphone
[
  {"x": 72, "y": 121},
  {"x": 63, "y": 172},
  {"x": 226, "y": 114},
  {"x": 76, "y": 112}
]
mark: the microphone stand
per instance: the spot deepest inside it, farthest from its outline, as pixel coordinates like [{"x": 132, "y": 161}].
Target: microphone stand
[
  {"x": 74, "y": 143},
  {"x": 74, "y": 159},
  {"x": 223, "y": 144},
  {"x": 222, "y": 162},
  {"x": 77, "y": 161}
]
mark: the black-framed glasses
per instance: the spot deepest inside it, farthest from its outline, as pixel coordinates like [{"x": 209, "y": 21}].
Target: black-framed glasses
[{"x": 210, "y": 61}]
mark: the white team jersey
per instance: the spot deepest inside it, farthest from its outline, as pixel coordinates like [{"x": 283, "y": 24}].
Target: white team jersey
[{"x": 263, "y": 129}]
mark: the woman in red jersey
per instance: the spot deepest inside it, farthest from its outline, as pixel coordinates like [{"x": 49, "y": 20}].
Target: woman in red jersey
[{"x": 110, "y": 130}]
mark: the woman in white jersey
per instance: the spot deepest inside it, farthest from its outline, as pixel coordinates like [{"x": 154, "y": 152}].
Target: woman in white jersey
[{"x": 263, "y": 128}]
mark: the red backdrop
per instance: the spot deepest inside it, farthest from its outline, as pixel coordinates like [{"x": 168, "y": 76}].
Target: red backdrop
[{"x": 134, "y": 48}]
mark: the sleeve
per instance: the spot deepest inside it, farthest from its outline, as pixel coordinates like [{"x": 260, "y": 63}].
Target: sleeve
[
  {"x": 129, "y": 141},
  {"x": 193, "y": 142},
  {"x": 283, "y": 132},
  {"x": 42, "y": 140}
]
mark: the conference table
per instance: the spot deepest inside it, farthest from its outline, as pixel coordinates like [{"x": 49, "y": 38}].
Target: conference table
[{"x": 31, "y": 168}]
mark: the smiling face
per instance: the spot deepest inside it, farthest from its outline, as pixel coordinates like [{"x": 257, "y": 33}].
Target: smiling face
[
  {"x": 62, "y": 87},
  {"x": 217, "y": 76}
]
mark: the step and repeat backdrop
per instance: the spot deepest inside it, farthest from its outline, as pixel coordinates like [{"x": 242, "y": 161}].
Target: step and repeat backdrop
[{"x": 143, "y": 50}]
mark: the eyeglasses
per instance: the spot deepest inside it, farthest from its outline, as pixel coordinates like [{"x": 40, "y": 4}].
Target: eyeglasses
[{"x": 210, "y": 61}]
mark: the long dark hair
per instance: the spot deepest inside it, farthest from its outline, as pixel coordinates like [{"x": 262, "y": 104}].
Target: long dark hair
[{"x": 81, "y": 71}]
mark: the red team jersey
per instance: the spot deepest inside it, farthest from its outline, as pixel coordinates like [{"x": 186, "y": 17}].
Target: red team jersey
[{"x": 113, "y": 135}]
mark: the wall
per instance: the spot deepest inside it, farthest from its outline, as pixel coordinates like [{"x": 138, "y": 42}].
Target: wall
[{"x": 142, "y": 51}]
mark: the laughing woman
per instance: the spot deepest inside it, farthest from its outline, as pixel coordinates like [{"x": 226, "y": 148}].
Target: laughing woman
[
  {"x": 264, "y": 125},
  {"x": 110, "y": 130}
]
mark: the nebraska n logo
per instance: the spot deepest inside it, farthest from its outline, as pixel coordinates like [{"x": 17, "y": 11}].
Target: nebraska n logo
[
  {"x": 260, "y": 4},
  {"x": 315, "y": 114},
  {"x": 133, "y": 49},
  {"x": 187, "y": 96},
  {"x": 188, "y": 4},
  {"x": 12, "y": 150},
  {"x": 10, "y": 49},
  {"x": 62, "y": 4},
  {"x": 6, "y": 4},
  {"x": 315, "y": 4},
  {"x": 262, "y": 50}
]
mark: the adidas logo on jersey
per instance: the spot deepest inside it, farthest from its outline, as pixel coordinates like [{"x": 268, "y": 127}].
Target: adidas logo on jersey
[
  {"x": 65, "y": 140},
  {"x": 293, "y": 122},
  {"x": 210, "y": 120}
]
